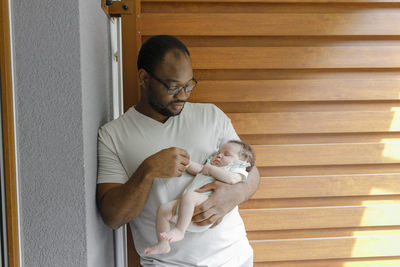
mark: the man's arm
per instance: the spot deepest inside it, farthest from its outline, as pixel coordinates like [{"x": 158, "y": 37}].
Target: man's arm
[
  {"x": 224, "y": 198},
  {"x": 121, "y": 203}
]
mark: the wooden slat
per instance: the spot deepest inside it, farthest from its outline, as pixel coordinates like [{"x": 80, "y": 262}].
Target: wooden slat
[
  {"x": 320, "y": 217},
  {"x": 322, "y": 233},
  {"x": 264, "y": 8},
  {"x": 328, "y": 186},
  {"x": 295, "y": 74},
  {"x": 326, "y": 248},
  {"x": 295, "y": 57},
  {"x": 373, "y": 22},
  {"x": 315, "y": 170},
  {"x": 308, "y": 106},
  {"x": 362, "y": 262},
  {"x": 327, "y": 154},
  {"x": 277, "y": 203},
  {"x": 315, "y": 122},
  {"x": 287, "y": 139},
  {"x": 278, "y": 1},
  {"x": 296, "y": 90}
]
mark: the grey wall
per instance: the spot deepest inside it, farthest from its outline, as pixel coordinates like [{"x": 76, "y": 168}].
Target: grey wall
[{"x": 62, "y": 91}]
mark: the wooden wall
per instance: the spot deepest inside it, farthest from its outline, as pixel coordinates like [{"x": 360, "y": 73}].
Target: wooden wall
[{"x": 314, "y": 86}]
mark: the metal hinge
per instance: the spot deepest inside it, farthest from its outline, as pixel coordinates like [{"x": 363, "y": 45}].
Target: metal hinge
[{"x": 118, "y": 8}]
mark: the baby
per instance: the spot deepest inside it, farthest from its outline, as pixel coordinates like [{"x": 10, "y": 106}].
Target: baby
[{"x": 230, "y": 165}]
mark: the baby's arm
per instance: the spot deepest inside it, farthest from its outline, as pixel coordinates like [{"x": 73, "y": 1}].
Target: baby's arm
[
  {"x": 221, "y": 174},
  {"x": 194, "y": 168}
]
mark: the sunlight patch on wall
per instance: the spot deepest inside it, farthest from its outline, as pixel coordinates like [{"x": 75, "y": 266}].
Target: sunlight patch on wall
[{"x": 392, "y": 147}]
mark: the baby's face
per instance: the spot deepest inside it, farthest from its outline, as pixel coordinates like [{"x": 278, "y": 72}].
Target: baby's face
[{"x": 228, "y": 153}]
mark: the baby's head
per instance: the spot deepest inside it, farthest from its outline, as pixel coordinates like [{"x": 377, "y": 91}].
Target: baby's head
[{"x": 234, "y": 150}]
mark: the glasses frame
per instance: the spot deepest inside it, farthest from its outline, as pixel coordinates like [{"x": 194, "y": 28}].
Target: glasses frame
[{"x": 173, "y": 91}]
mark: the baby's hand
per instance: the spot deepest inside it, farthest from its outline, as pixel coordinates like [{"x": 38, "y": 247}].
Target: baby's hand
[{"x": 206, "y": 169}]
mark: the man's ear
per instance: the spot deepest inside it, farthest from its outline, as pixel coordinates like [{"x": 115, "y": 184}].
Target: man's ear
[{"x": 143, "y": 78}]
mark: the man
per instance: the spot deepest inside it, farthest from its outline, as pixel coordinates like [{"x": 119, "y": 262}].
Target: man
[{"x": 143, "y": 156}]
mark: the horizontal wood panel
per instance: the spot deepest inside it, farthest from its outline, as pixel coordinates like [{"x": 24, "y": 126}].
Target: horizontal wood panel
[
  {"x": 371, "y": 22},
  {"x": 287, "y": 41},
  {"x": 277, "y": 203},
  {"x": 296, "y": 90},
  {"x": 260, "y": 7},
  {"x": 320, "y": 217},
  {"x": 328, "y": 186},
  {"x": 321, "y": 233},
  {"x": 280, "y": 1},
  {"x": 295, "y": 74},
  {"x": 367, "y": 262},
  {"x": 327, "y": 154},
  {"x": 315, "y": 170},
  {"x": 334, "y": 138},
  {"x": 315, "y": 122},
  {"x": 295, "y": 57},
  {"x": 326, "y": 248},
  {"x": 308, "y": 106},
  {"x": 362, "y": 262}
]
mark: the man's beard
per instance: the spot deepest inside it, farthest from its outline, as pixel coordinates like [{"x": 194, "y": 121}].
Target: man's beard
[{"x": 163, "y": 109}]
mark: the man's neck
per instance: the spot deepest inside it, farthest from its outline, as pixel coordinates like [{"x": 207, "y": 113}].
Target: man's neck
[{"x": 151, "y": 113}]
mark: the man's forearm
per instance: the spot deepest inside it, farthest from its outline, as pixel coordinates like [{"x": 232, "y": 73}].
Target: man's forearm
[
  {"x": 124, "y": 202},
  {"x": 121, "y": 203}
]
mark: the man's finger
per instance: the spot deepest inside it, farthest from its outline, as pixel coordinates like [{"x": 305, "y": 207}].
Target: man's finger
[
  {"x": 216, "y": 223},
  {"x": 185, "y": 161},
  {"x": 202, "y": 208},
  {"x": 206, "y": 188},
  {"x": 181, "y": 169},
  {"x": 184, "y": 153},
  {"x": 206, "y": 221}
]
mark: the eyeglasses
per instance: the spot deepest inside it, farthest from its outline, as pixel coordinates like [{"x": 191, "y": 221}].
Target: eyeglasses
[{"x": 174, "y": 90}]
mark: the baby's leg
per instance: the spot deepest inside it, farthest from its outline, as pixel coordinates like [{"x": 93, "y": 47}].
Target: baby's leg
[
  {"x": 164, "y": 215},
  {"x": 186, "y": 209}
]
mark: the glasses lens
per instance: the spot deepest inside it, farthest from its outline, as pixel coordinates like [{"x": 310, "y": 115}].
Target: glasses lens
[
  {"x": 190, "y": 85},
  {"x": 188, "y": 88}
]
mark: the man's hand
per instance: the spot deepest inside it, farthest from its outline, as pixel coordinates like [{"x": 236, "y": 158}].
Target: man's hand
[
  {"x": 222, "y": 201},
  {"x": 169, "y": 162}
]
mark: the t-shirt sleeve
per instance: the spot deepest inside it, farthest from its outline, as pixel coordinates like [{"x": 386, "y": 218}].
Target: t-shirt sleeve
[
  {"x": 110, "y": 169},
  {"x": 228, "y": 132}
]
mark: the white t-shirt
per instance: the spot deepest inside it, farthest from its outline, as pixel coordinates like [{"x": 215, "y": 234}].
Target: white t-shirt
[{"x": 200, "y": 129}]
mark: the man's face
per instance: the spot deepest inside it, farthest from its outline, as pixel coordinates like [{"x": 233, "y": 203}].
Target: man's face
[{"x": 174, "y": 70}]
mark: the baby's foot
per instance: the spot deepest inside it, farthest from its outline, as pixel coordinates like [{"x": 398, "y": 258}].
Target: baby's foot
[
  {"x": 159, "y": 248},
  {"x": 174, "y": 235}
]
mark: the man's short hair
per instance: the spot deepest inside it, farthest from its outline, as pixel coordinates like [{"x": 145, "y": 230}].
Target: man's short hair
[{"x": 154, "y": 49}]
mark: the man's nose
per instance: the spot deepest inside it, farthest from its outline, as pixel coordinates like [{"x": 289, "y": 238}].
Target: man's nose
[{"x": 182, "y": 95}]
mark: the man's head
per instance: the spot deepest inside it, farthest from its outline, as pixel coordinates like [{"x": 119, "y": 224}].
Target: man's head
[
  {"x": 165, "y": 76},
  {"x": 152, "y": 52}
]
